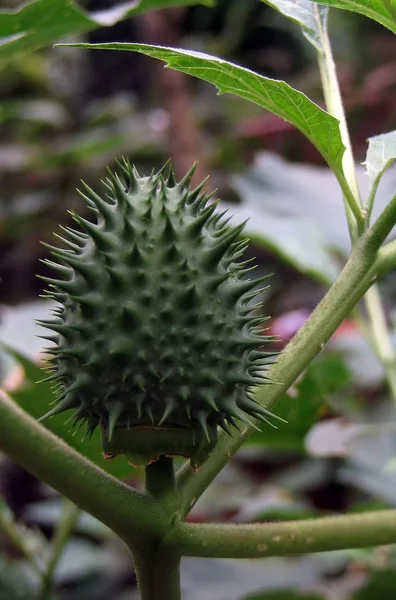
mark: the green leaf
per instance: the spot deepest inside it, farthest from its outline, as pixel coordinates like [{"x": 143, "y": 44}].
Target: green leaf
[
  {"x": 276, "y": 96},
  {"x": 43, "y": 22},
  {"x": 380, "y": 155},
  {"x": 35, "y": 398},
  {"x": 310, "y": 17},
  {"x": 380, "y": 585},
  {"x": 383, "y": 11}
]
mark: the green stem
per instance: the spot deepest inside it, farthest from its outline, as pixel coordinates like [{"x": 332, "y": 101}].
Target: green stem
[
  {"x": 158, "y": 572},
  {"x": 381, "y": 338},
  {"x": 283, "y": 539},
  {"x": 161, "y": 483},
  {"x": 386, "y": 260},
  {"x": 353, "y": 282},
  {"x": 368, "y": 208},
  {"x": 333, "y": 98},
  {"x": 65, "y": 528},
  {"x": 377, "y": 321},
  {"x": 121, "y": 508},
  {"x": 378, "y": 328},
  {"x": 379, "y": 331},
  {"x": 32, "y": 548}
]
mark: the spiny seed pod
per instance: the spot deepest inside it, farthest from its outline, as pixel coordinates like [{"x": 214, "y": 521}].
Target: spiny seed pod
[{"x": 154, "y": 327}]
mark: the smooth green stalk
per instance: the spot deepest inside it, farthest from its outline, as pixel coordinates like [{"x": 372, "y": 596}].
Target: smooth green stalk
[
  {"x": 157, "y": 571},
  {"x": 65, "y": 528},
  {"x": 356, "y": 277},
  {"x": 380, "y": 335},
  {"x": 386, "y": 260},
  {"x": 161, "y": 483},
  {"x": 284, "y": 539},
  {"x": 368, "y": 207},
  {"x": 335, "y": 107},
  {"x": 379, "y": 332},
  {"x": 121, "y": 508}
]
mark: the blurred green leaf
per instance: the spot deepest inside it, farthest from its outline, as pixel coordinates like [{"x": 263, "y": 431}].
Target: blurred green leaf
[
  {"x": 308, "y": 16},
  {"x": 380, "y": 155},
  {"x": 42, "y": 22},
  {"x": 381, "y": 585},
  {"x": 383, "y": 11},
  {"x": 324, "y": 376},
  {"x": 35, "y": 398},
  {"x": 276, "y": 96}
]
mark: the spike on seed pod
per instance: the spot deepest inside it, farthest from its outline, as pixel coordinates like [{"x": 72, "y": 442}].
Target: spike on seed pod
[{"x": 155, "y": 330}]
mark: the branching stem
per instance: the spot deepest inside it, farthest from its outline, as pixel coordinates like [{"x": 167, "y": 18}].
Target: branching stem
[
  {"x": 284, "y": 539},
  {"x": 121, "y": 508}
]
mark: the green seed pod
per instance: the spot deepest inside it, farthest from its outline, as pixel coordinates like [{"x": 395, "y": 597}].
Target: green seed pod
[{"x": 154, "y": 327}]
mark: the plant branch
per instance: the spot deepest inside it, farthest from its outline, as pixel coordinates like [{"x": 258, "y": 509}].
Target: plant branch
[
  {"x": 386, "y": 260},
  {"x": 334, "y": 104},
  {"x": 381, "y": 339},
  {"x": 354, "y": 280},
  {"x": 158, "y": 572},
  {"x": 161, "y": 482},
  {"x": 378, "y": 328},
  {"x": 121, "y": 508},
  {"x": 284, "y": 539},
  {"x": 65, "y": 528},
  {"x": 368, "y": 207}
]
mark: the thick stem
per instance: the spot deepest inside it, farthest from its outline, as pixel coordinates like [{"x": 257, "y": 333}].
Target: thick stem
[
  {"x": 65, "y": 528},
  {"x": 121, "y": 508},
  {"x": 288, "y": 538},
  {"x": 158, "y": 572},
  {"x": 161, "y": 483}
]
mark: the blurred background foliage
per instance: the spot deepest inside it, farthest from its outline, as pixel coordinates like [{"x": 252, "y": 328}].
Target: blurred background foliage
[{"x": 64, "y": 115}]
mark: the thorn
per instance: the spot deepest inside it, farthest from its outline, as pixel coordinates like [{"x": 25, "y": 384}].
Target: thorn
[
  {"x": 149, "y": 411},
  {"x": 201, "y": 418},
  {"x": 185, "y": 182},
  {"x": 115, "y": 412},
  {"x": 168, "y": 410},
  {"x": 209, "y": 396},
  {"x": 139, "y": 403},
  {"x": 65, "y": 404}
]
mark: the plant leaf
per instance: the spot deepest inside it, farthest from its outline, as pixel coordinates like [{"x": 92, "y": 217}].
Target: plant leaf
[
  {"x": 380, "y": 155},
  {"x": 383, "y": 11},
  {"x": 276, "y": 96},
  {"x": 310, "y": 17},
  {"x": 42, "y": 22}
]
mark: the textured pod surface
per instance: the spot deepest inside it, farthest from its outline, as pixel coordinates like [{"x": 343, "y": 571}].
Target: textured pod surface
[{"x": 155, "y": 322}]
